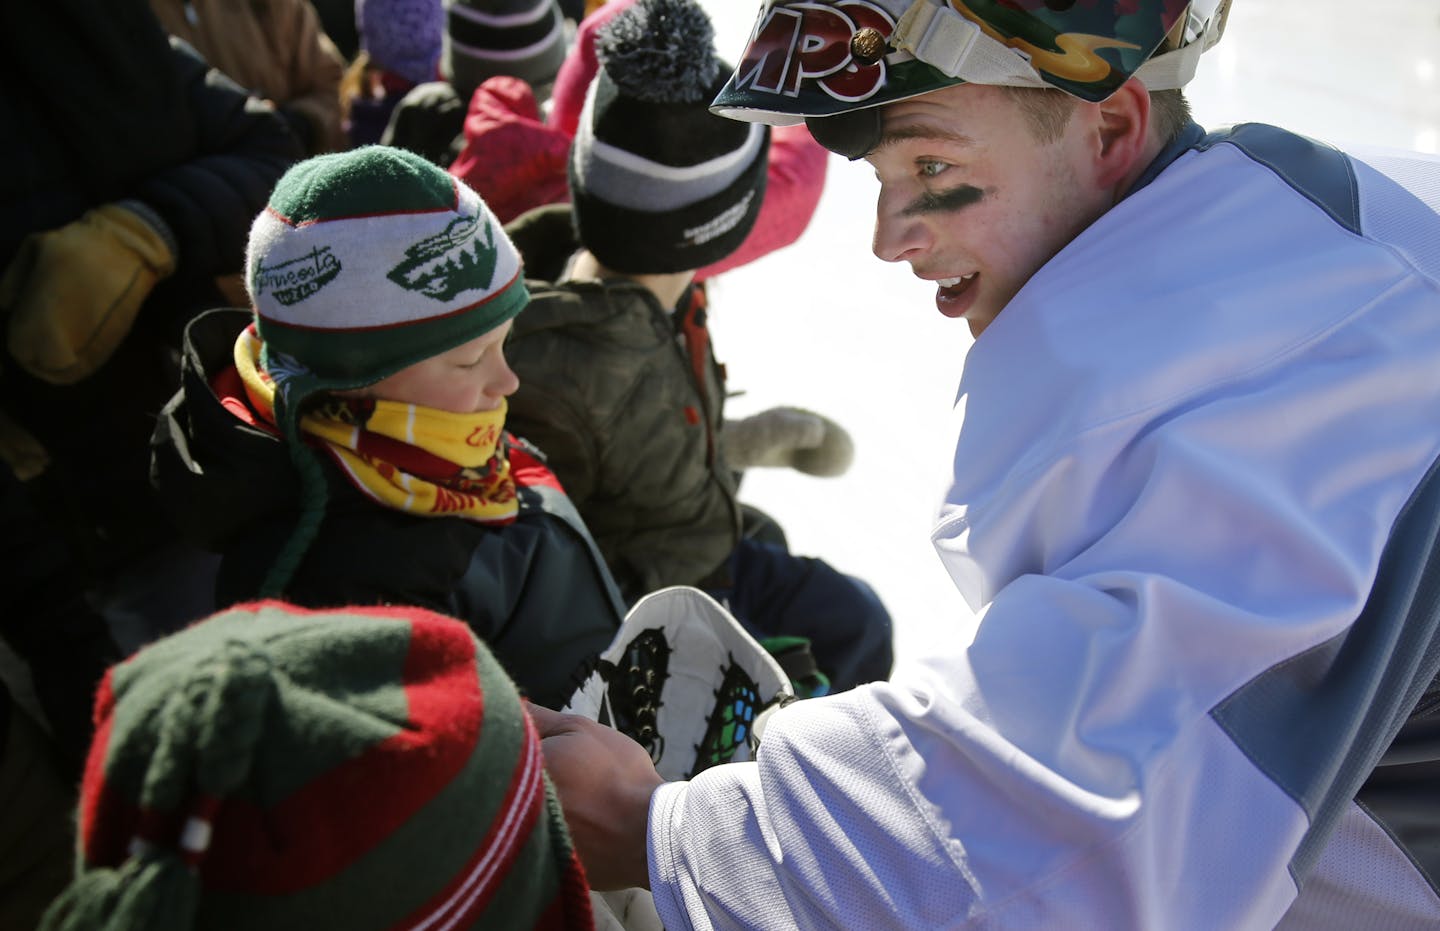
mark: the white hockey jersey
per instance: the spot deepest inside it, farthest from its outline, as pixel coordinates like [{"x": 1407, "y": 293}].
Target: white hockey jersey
[{"x": 1182, "y": 451}]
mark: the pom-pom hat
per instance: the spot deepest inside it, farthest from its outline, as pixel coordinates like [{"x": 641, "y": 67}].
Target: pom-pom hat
[
  {"x": 659, "y": 184},
  {"x": 273, "y": 767},
  {"x": 484, "y": 38}
]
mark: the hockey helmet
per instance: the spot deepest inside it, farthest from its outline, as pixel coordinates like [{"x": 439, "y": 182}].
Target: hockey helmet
[{"x": 833, "y": 62}]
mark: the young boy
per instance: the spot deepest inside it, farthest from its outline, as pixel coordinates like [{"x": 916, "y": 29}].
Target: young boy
[
  {"x": 619, "y": 386},
  {"x": 347, "y": 445}
]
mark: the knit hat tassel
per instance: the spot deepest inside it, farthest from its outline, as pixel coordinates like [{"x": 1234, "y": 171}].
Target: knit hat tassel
[
  {"x": 314, "y": 497},
  {"x": 207, "y": 738}
]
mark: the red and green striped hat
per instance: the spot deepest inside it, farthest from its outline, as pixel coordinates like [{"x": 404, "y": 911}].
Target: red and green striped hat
[{"x": 275, "y": 767}]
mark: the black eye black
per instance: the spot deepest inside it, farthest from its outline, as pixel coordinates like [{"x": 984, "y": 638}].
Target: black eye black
[{"x": 944, "y": 201}]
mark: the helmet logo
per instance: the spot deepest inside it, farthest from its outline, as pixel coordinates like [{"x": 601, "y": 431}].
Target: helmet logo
[
  {"x": 1067, "y": 55},
  {"x": 811, "y": 41}
]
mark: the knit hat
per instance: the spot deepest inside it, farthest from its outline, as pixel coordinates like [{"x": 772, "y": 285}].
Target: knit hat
[
  {"x": 522, "y": 38},
  {"x": 659, "y": 183},
  {"x": 273, "y": 767},
  {"x": 402, "y": 36},
  {"x": 364, "y": 263}
]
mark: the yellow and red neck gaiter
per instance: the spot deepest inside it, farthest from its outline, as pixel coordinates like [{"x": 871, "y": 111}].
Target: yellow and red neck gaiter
[{"x": 414, "y": 459}]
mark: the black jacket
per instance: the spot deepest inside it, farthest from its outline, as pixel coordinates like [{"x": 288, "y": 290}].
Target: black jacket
[
  {"x": 534, "y": 590},
  {"x": 97, "y": 105}
]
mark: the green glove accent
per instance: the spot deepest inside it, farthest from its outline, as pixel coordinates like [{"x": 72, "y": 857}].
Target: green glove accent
[
  {"x": 73, "y": 293},
  {"x": 794, "y": 656}
]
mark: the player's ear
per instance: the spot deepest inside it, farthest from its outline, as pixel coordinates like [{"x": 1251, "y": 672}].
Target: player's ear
[{"x": 1122, "y": 127}]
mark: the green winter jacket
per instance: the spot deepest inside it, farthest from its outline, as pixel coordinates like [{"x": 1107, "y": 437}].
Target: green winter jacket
[{"x": 610, "y": 394}]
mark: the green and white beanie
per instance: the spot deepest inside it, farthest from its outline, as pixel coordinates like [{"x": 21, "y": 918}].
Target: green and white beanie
[
  {"x": 367, "y": 261},
  {"x": 363, "y": 263},
  {"x": 275, "y": 767}
]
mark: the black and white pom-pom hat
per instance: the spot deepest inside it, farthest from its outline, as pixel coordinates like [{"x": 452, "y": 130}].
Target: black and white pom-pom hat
[
  {"x": 484, "y": 38},
  {"x": 659, "y": 183}
]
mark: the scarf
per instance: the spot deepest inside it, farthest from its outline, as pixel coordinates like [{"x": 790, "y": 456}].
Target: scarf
[{"x": 415, "y": 459}]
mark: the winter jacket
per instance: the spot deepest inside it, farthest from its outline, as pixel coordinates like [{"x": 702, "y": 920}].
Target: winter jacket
[
  {"x": 625, "y": 399},
  {"x": 1195, "y": 500},
  {"x": 510, "y": 156},
  {"x": 277, "y": 50},
  {"x": 535, "y": 590}
]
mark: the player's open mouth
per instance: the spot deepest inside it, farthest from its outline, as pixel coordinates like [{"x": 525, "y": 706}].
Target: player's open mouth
[{"x": 954, "y": 295}]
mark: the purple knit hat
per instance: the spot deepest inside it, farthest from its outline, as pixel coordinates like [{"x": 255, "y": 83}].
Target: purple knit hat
[{"x": 403, "y": 36}]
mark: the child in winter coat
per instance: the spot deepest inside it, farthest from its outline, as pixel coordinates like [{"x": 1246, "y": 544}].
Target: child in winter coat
[
  {"x": 618, "y": 384},
  {"x": 348, "y": 444},
  {"x": 524, "y": 40}
]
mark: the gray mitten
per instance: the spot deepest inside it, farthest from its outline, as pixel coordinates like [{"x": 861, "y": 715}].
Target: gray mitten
[{"x": 788, "y": 436}]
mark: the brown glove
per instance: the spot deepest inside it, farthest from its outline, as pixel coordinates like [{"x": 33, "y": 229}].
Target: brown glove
[
  {"x": 788, "y": 436},
  {"x": 72, "y": 293}
]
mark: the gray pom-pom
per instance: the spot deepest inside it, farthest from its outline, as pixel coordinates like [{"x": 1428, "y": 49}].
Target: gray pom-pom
[{"x": 661, "y": 51}]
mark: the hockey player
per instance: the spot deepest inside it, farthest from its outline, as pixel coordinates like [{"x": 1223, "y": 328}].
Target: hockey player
[{"x": 1190, "y": 500}]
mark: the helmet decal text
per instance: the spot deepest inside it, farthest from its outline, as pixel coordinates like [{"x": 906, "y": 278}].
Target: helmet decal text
[
  {"x": 818, "y": 58},
  {"x": 795, "y": 42}
]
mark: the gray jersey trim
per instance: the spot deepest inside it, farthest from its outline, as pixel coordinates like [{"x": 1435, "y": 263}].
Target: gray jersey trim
[
  {"x": 1349, "y": 712},
  {"x": 1321, "y": 173}
]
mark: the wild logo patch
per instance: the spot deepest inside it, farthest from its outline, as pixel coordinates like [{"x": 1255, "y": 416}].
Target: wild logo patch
[
  {"x": 293, "y": 281},
  {"x": 455, "y": 260}
]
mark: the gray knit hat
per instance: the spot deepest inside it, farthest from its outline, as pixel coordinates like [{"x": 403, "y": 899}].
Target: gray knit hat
[
  {"x": 659, "y": 183},
  {"x": 483, "y": 38}
]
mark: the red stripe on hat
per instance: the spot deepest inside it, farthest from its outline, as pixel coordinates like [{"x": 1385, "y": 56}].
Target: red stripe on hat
[
  {"x": 571, "y": 907},
  {"x": 107, "y": 820},
  {"x": 316, "y": 827},
  {"x": 463, "y": 900}
]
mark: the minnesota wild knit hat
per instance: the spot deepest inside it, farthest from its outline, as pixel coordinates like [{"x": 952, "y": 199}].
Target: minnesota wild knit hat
[
  {"x": 368, "y": 261},
  {"x": 364, "y": 263},
  {"x": 658, "y": 182},
  {"x": 273, "y": 767}
]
